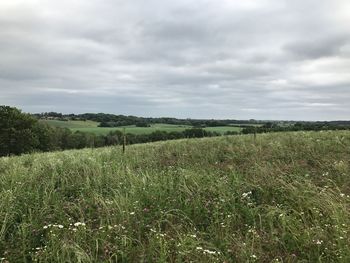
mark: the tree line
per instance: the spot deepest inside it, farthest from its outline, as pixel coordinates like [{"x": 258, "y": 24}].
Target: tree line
[
  {"x": 298, "y": 126},
  {"x": 22, "y": 133},
  {"x": 112, "y": 120}
]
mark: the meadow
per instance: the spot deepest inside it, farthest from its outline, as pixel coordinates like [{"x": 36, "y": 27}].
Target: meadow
[
  {"x": 283, "y": 197},
  {"x": 92, "y": 127}
]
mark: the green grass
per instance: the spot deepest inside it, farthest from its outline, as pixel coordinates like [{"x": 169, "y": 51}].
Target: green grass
[
  {"x": 283, "y": 198},
  {"x": 71, "y": 124},
  {"x": 90, "y": 126}
]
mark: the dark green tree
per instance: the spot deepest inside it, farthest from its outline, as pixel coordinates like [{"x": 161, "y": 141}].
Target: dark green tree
[{"x": 16, "y": 132}]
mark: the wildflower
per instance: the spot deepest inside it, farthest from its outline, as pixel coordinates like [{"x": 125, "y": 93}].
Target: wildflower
[
  {"x": 210, "y": 252},
  {"x": 199, "y": 248},
  {"x": 45, "y": 227},
  {"x": 319, "y": 242},
  {"x": 254, "y": 256},
  {"x": 60, "y": 226},
  {"x": 132, "y": 213},
  {"x": 244, "y": 195},
  {"x": 79, "y": 224}
]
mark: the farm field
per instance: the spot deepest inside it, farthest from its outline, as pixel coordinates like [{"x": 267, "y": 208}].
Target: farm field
[
  {"x": 90, "y": 126},
  {"x": 282, "y": 198},
  {"x": 71, "y": 124}
]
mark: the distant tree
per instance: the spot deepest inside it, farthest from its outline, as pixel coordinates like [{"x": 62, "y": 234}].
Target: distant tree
[
  {"x": 142, "y": 124},
  {"x": 104, "y": 124},
  {"x": 195, "y": 133},
  {"x": 17, "y": 133},
  {"x": 268, "y": 125},
  {"x": 46, "y": 136},
  {"x": 63, "y": 137},
  {"x": 114, "y": 138}
]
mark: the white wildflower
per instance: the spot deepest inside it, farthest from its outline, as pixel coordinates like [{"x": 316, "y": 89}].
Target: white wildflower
[
  {"x": 244, "y": 195},
  {"x": 79, "y": 224},
  {"x": 319, "y": 242}
]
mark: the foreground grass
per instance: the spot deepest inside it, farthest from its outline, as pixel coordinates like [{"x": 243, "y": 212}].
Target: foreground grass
[{"x": 284, "y": 198}]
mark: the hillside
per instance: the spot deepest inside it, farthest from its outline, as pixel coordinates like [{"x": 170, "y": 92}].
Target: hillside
[
  {"x": 282, "y": 198},
  {"x": 92, "y": 127}
]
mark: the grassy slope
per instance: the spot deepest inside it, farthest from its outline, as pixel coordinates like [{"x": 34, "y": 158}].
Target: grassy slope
[
  {"x": 71, "y": 124},
  {"x": 90, "y": 126},
  {"x": 205, "y": 200}
]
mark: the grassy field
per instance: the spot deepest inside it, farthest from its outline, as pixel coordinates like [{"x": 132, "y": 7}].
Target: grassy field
[
  {"x": 90, "y": 126},
  {"x": 71, "y": 124},
  {"x": 283, "y": 198}
]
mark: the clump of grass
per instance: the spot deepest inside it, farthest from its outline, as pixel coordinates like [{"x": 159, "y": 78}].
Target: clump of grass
[{"x": 281, "y": 198}]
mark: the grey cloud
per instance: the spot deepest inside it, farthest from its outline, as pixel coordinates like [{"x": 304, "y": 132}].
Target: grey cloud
[
  {"x": 267, "y": 59},
  {"x": 317, "y": 48}
]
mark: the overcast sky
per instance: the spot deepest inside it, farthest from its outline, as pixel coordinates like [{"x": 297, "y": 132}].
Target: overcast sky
[{"x": 262, "y": 59}]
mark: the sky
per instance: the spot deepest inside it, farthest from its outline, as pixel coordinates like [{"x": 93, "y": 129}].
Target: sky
[{"x": 224, "y": 59}]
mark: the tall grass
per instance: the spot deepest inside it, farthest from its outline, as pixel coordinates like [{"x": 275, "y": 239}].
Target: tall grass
[{"x": 283, "y": 198}]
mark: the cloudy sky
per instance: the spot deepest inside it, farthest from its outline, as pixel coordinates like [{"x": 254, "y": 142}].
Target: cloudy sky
[{"x": 262, "y": 59}]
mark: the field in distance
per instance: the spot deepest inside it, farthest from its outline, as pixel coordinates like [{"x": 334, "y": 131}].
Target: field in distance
[
  {"x": 283, "y": 197},
  {"x": 91, "y": 126}
]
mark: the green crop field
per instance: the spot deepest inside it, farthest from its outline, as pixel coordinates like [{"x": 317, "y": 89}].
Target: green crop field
[
  {"x": 71, "y": 124},
  {"x": 284, "y": 197},
  {"x": 90, "y": 126}
]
